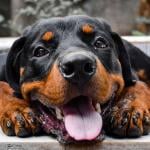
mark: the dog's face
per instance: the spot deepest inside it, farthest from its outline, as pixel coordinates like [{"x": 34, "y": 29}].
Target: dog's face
[{"x": 71, "y": 66}]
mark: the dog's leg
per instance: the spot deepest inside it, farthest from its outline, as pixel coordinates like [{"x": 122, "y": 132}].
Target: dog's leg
[
  {"x": 130, "y": 116},
  {"x": 16, "y": 117}
]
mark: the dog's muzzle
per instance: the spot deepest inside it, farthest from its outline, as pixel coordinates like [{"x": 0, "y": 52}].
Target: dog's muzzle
[{"x": 77, "y": 67}]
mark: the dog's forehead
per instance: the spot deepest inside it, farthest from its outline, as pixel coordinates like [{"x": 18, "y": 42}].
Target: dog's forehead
[{"x": 70, "y": 23}]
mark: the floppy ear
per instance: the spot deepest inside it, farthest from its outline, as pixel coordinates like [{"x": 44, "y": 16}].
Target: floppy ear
[
  {"x": 124, "y": 60},
  {"x": 13, "y": 64}
]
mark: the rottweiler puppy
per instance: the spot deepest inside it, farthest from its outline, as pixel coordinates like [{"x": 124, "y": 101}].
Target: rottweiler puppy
[{"x": 73, "y": 77}]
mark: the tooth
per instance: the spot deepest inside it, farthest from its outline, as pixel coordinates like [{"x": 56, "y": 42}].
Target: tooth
[
  {"x": 98, "y": 108},
  {"x": 58, "y": 113}
]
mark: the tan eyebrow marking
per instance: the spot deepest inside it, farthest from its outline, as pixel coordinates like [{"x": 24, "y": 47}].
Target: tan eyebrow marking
[
  {"x": 87, "y": 29},
  {"x": 48, "y": 36}
]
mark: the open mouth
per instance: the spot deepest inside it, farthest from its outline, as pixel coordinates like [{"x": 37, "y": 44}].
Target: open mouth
[{"x": 78, "y": 120}]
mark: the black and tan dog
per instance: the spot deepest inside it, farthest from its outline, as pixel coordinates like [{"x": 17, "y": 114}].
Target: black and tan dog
[{"x": 72, "y": 76}]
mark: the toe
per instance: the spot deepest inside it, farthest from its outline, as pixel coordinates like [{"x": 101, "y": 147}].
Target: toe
[
  {"x": 7, "y": 126},
  {"x": 146, "y": 123},
  {"x": 22, "y": 129},
  {"x": 120, "y": 127},
  {"x": 31, "y": 118},
  {"x": 135, "y": 128}
]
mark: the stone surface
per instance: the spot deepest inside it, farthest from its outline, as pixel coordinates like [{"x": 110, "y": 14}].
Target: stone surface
[
  {"x": 47, "y": 143},
  {"x": 5, "y": 43}
]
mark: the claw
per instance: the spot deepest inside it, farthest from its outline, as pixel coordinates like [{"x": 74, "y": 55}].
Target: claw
[
  {"x": 124, "y": 122},
  {"x": 20, "y": 119},
  {"x": 135, "y": 120},
  {"x": 112, "y": 120},
  {"x": 146, "y": 120},
  {"x": 8, "y": 124}
]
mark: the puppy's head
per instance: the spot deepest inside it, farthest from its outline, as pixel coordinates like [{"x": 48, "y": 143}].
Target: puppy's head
[{"x": 71, "y": 66}]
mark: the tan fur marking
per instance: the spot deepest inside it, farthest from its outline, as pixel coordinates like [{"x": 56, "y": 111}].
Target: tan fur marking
[
  {"x": 101, "y": 85},
  {"x": 140, "y": 93},
  {"x": 10, "y": 108},
  {"x": 7, "y": 99},
  {"x": 55, "y": 90},
  {"x": 141, "y": 74},
  {"x": 48, "y": 36},
  {"x": 27, "y": 87},
  {"x": 118, "y": 79},
  {"x": 87, "y": 29}
]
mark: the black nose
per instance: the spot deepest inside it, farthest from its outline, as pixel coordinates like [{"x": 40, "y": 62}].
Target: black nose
[{"x": 77, "y": 67}]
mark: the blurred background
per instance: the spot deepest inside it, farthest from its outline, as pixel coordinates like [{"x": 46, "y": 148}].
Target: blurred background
[{"x": 127, "y": 17}]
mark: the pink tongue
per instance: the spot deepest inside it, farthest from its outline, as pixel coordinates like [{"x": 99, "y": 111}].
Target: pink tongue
[{"x": 82, "y": 122}]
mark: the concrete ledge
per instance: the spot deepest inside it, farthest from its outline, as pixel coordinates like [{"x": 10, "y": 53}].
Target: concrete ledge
[
  {"x": 137, "y": 39},
  {"x": 47, "y": 143},
  {"x": 5, "y": 43}
]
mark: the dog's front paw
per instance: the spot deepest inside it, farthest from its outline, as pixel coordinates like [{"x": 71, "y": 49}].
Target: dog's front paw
[
  {"x": 128, "y": 119},
  {"x": 19, "y": 120}
]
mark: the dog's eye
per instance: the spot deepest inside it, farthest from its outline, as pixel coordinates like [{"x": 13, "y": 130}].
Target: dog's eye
[
  {"x": 101, "y": 43},
  {"x": 40, "y": 51}
]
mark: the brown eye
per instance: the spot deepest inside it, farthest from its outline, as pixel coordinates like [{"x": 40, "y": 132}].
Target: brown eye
[
  {"x": 101, "y": 43},
  {"x": 40, "y": 51}
]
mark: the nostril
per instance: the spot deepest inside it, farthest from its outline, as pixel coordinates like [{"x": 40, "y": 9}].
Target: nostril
[
  {"x": 68, "y": 69},
  {"x": 89, "y": 68}
]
